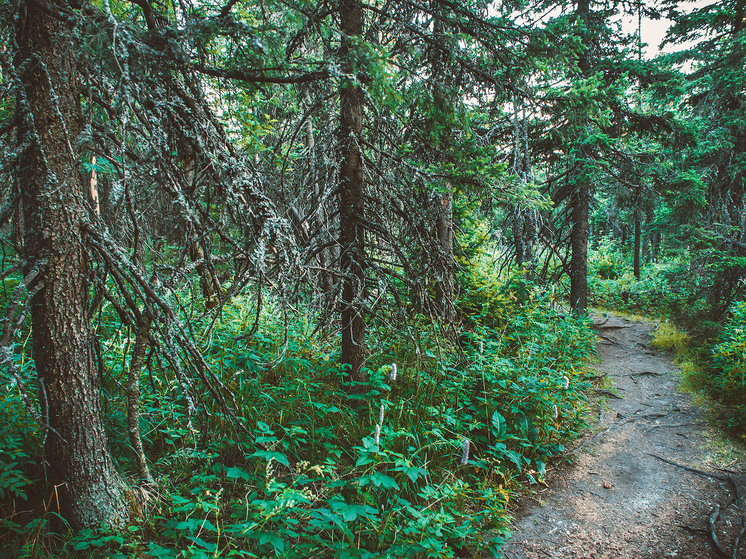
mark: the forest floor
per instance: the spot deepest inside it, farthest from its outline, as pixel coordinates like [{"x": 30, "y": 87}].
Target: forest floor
[{"x": 647, "y": 480}]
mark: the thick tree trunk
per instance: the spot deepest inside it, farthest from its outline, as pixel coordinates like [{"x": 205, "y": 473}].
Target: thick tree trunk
[
  {"x": 351, "y": 199},
  {"x": 581, "y": 196},
  {"x": 579, "y": 246},
  {"x": 88, "y": 488}
]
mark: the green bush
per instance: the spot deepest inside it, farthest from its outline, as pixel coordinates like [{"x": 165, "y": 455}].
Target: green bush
[
  {"x": 307, "y": 468},
  {"x": 727, "y": 369}
]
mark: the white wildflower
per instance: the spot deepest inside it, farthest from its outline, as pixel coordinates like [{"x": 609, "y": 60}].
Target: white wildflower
[{"x": 465, "y": 452}]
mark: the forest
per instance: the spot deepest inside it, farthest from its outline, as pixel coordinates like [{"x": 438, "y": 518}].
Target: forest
[{"x": 312, "y": 278}]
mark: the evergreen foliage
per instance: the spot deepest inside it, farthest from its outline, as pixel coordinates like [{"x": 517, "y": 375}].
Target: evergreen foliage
[{"x": 328, "y": 249}]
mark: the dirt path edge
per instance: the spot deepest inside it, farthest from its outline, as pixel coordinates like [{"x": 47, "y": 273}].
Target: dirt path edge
[{"x": 643, "y": 483}]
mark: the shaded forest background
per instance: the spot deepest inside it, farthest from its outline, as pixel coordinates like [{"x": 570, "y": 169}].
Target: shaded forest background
[{"x": 298, "y": 278}]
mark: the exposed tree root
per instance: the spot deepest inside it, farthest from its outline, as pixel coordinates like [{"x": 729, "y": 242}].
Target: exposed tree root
[{"x": 739, "y": 488}]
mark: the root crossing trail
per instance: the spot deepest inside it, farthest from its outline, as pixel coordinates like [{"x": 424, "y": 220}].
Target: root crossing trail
[{"x": 638, "y": 486}]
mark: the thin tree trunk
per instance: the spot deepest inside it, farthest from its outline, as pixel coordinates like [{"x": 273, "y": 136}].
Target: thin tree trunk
[
  {"x": 81, "y": 471},
  {"x": 638, "y": 233},
  {"x": 208, "y": 284},
  {"x": 324, "y": 258},
  {"x": 444, "y": 285},
  {"x": 133, "y": 400},
  {"x": 351, "y": 199},
  {"x": 94, "y": 188},
  {"x": 518, "y": 240}
]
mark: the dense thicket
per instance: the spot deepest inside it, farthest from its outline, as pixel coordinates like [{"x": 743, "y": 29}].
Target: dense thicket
[{"x": 288, "y": 277}]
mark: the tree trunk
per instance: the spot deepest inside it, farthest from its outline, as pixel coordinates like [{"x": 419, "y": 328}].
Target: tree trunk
[
  {"x": 579, "y": 245},
  {"x": 581, "y": 194},
  {"x": 444, "y": 285},
  {"x": 638, "y": 233},
  {"x": 324, "y": 257},
  {"x": 133, "y": 400},
  {"x": 518, "y": 240},
  {"x": 80, "y": 469},
  {"x": 351, "y": 198},
  {"x": 655, "y": 243}
]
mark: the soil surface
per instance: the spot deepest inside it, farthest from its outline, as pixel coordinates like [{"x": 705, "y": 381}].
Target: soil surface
[{"x": 627, "y": 492}]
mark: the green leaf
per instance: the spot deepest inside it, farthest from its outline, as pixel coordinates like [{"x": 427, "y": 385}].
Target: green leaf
[
  {"x": 500, "y": 425},
  {"x": 377, "y": 479},
  {"x": 237, "y": 473},
  {"x": 269, "y": 455},
  {"x": 350, "y": 512}
]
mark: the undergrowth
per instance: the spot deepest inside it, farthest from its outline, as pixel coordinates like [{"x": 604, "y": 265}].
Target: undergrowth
[
  {"x": 726, "y": 371},
  {"x": 421, "y": 461}
]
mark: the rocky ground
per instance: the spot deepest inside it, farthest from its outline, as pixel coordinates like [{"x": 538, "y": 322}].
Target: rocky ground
[{"x": 650, "y": 480}]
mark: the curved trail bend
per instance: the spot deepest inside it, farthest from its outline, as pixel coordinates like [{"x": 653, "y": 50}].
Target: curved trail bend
[{"x": 628, "y": 494}]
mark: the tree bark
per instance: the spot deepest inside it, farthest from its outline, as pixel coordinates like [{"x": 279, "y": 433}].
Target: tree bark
[
  {"x": 581, "y": 193},
  {"x": 80, "y": 469},
  {"x": 444, "y": 285},
  {"x": 579, "y": 245},
  {"x": 351, "y": 197},
  {"x": 638, "y": 233}
]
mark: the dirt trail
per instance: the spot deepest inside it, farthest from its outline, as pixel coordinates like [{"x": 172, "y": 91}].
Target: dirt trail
[{"x": 620, "y": 499}]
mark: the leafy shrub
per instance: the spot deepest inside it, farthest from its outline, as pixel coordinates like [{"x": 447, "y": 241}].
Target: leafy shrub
[
  {"x": 658, "y": 292},
  {"x": 727, "y": 371},
  {"x": 308, "y": 468}
]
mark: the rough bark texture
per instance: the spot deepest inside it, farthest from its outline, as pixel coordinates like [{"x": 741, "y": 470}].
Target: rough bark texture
[
  {"x": 79, "y": 466},
  {"x": 444, "y": 286},
  {"x": 351, "y": 200},
  {"x": 579, "y": 246},
  {"x": 581, "y": 195}
]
